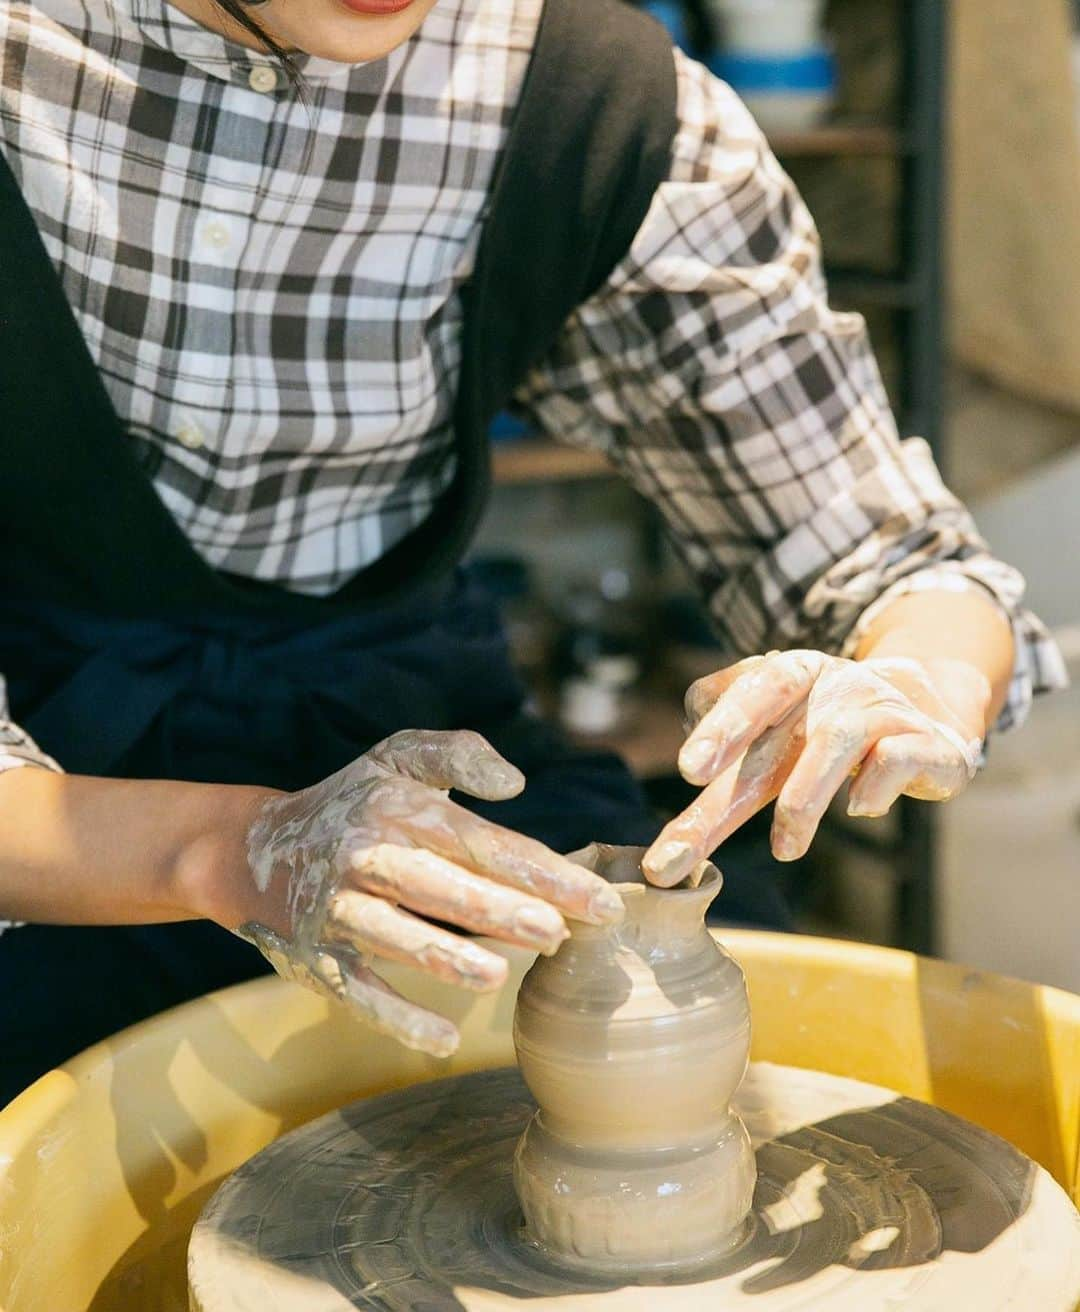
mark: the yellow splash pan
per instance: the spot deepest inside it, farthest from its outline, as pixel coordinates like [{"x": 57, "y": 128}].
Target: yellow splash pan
[{"x": 106, "y": 1162}]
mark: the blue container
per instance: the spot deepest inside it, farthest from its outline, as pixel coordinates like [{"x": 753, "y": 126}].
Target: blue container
[
  {"x": 506, "y": 427},
  {"x": 785, "y": 93},
  {"x": 812, "y": 72}
]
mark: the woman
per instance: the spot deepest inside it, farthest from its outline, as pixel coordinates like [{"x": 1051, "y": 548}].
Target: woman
[{"x": 267, "y": 273}]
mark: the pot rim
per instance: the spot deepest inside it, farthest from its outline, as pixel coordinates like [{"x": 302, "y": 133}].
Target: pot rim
[{"x": 711, "y": 882}]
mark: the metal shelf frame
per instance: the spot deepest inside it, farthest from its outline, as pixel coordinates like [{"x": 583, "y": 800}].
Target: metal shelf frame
[
  {"x": 925, "y": 108},
  {"x": 917, "y": 296}
]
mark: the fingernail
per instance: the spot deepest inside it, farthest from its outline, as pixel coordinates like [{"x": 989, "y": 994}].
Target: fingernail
[
  {"x": 786, "y": 848},
  {"x": 860, "y": 811},
  {"x": 696, "y": 758},
  {"x": 542, "y": 927},
  {"x": 503, "y": 776},
  {"x": 671, "y": 862},
  {"x": 698, "y": 873},
  {"x": 605, "y": 907},
  {"x": 479, "y": 969},
  {"x": 435, "y": 1040}
]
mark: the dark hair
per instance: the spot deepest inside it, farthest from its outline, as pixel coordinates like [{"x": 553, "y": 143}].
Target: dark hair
[{"x": 238, "y": 11}]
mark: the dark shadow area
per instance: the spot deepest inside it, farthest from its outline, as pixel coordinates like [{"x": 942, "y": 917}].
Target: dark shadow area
[
  {"x": 151, "y": 1276},
  {"x": 154, "y": 1131},
  {"x": 152, "y": 1123}
]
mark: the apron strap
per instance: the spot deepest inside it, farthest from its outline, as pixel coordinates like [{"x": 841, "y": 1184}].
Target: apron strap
[
  {"x": 590, "y": 144},
  {"x": 74, "y": 496}
]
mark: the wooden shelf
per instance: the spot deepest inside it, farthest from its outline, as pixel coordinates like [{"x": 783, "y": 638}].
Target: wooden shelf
[
  {"x": 840, "y": 139},
  {"x": 536, "y": 460}
]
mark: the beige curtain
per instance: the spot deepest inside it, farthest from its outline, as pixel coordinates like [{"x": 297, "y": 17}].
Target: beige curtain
[{"x": 1015, "y": 197}]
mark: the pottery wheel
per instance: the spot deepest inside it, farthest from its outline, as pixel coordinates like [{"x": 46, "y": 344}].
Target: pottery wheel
[{"x": 865, "y": 1202}]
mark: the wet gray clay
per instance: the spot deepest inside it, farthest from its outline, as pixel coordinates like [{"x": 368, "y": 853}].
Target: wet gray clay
[
  {"x": 633, "y": 1039},
  {"x": 865, "y": 1202}
]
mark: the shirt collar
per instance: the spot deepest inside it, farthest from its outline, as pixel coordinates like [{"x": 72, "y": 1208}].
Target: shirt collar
[{"x": 171, "y": 29}]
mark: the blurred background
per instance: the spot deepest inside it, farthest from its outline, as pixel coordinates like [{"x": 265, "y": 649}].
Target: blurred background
[{"x": 936, "y": 144}]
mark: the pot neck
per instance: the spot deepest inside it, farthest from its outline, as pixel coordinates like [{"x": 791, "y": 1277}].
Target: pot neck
[{"x": 657, "y": 920}]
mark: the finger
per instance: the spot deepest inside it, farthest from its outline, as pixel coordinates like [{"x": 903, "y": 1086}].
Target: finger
[
  {"x": 621, "y": 864},
  {"x": 942, "y": 775},
  {"x": 834, "y": 750},
  {"x": 454, "y": 758},
  {"x": 373, "y": 925},
  {"x": 374, "y": 1002},
  {"x": 725, "y": 804},
  {"x": 756, "y": 701},
  {"x": 915, "y": 765},
  {"x": 508, "y": 858},
  {"x": 704, "y": 693},
  {"x": 435, "y": 887},
  {"x": 883, "y": 776}
]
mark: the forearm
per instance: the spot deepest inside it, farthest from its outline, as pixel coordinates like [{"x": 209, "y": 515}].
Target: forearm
[
  {"x": 938, "y": 628},
  {"x": 78, "y": 850}
]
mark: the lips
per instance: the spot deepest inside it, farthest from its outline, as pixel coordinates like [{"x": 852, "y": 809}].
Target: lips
[{"x": 377, "y": 8}]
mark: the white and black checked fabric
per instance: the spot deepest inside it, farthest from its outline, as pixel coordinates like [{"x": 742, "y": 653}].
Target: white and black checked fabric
[{"x": 271, "y": 291}]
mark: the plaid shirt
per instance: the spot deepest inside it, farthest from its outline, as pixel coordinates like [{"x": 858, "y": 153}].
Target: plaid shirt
[{"x": 271, "y": 291}]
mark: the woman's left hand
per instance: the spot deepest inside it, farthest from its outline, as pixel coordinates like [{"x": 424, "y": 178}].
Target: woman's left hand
[{"x": 795, "y": 725}]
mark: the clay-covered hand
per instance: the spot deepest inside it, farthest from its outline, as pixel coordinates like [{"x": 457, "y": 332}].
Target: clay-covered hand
[
  {"x": 795, "y": 725},
  {"x": 350, "y": 868}
]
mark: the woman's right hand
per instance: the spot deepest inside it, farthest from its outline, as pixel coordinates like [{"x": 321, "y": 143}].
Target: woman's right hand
[{"x": 353, "y": 868}]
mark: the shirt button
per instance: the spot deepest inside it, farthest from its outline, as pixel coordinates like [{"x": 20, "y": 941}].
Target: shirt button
[
  {"x": 262, "y": 78},
  {"x": 216, "y": 234},
  {"x": 191, "y": 436}
]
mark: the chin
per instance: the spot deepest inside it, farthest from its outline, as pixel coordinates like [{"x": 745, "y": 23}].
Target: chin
[
  {"x": 353, "y": 38},
  {"x": 343, "y": 50}
]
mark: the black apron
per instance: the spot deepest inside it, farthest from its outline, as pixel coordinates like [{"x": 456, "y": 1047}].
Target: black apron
[
  {"x": 127, "y": 655},
  {"x": 276, "y": 704}
]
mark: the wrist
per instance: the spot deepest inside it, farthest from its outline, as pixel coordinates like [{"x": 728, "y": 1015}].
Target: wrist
[
  {"x": 966, "y": 691},
  {"x": 211, "y": 876},
  {"x": 964, "y": 641}
]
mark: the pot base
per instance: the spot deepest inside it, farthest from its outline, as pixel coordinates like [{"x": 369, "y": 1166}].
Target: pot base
[
  {"x": 613, "y": 1212},
  {"x": 865, "y": 1202}
]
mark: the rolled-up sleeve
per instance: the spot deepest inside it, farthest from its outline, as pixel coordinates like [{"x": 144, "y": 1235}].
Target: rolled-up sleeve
[
  {"x": 713, "y": 373},
  {"x": 17, "y": 748}
]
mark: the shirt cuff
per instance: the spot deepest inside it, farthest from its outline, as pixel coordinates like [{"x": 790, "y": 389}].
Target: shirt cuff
[
  {"x": 10, "y": 761},
  {"x": 1039, "y": 666},
  {"x": 18, "y": 749}
]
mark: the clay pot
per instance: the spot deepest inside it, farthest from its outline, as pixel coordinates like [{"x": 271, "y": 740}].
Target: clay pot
[{"x": 633, "y": 1039}]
